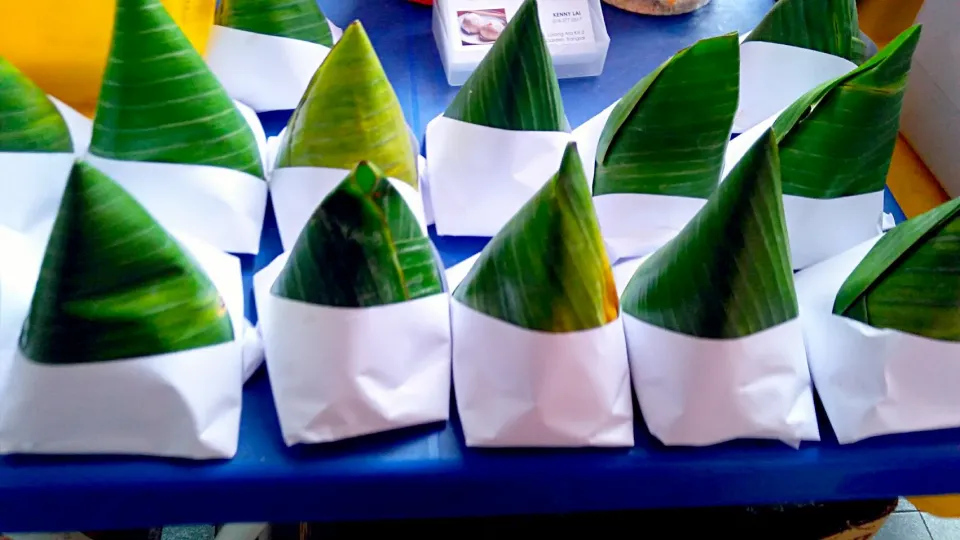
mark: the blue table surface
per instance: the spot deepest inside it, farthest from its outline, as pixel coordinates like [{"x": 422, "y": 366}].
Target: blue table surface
[{"x": 427, "y": 471}]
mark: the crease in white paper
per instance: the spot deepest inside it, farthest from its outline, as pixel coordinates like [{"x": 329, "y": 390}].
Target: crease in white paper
[
  {"x": 817, "y": 228},
  {"x": 480, "y": 176},
  {"x": 766, "y": 86},
  {"x": 522, "y": 388},
  {"x": 184, "y": 404},
  {"x": 873, "y": 381},
  {"x": 266, "y": 72},
  {"x": 637, "y": 224},
  {"x": 344, "y": 372},
  {"x": 698, "y": 392},
  {"x": 296, "y": 193}
]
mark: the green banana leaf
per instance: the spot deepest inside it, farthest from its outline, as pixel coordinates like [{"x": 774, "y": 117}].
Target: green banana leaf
[
  {"x": 910, "y": 280},
  {"x": 114, "y": 284},
  {"x": 159, "y": 102},
  {"x": 838, "y": 139},
  {"x": 514, "y": 87},
  {"x": 294, "y": 19},
  {"x": 669, "y": 133},
  {"x": 29, "y": 121},
  {"x": 350, "y": 114},
  {"x": 728, "y": 273},
  {"x": 362, "y": 247},
  {"x": 547, "y": 269},
  {"x": 827, "y": 26}
]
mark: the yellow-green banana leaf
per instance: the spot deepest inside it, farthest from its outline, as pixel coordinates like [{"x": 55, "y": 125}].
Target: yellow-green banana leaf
[{"x": 294, "y": 19}]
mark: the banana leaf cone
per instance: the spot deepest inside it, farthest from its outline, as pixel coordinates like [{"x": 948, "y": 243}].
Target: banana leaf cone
[
  {"x": 910, "y": 279},
  {"x": 838, "y": 139},
  {"x": 29, "y": 121},
  {"x": 669, "y": 133},
  {"x": 727, "y": 274},
  {"x": 362, "y": 247},
  {"x": 547, "y": 269},
  {"x": 113, "y": 284},
  {"x": 515, "y": 86},
  {"x": 294, "y": 19},
  {"x": 827, "y": 26},
  {"x": 160, "y": 103},
  {"x": 350, "y": 114}
]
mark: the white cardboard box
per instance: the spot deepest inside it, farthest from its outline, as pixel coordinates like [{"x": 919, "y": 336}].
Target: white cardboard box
[{"x": 570, "y": 60}]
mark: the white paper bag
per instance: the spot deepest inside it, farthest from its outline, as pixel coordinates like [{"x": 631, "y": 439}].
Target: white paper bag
[
  {"x": 343, "y": 372},
  {"x": 698, "y": 392},
  {"x": 183, "y": 404},
  {"x": 480, "y": 176},
  {"x": 523, "y": 388},
  {"x": 268, "y": 73},
  {"x": 873, "y": 381},
  {"x": 296, "y": 193},
  {"x": 817, "y": 228},
  {"x": 772, "y": 76}
]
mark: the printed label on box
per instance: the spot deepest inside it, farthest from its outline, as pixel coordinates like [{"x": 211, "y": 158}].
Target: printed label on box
[{"x": 566, "y": 22}]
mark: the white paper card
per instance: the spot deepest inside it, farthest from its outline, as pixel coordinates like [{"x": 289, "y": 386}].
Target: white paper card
[
  {"x": 266, "y": 72},
  {"x": 698, "y": 392},
  {"x": 480, "y": 176},
  {"x": 296, "y": 193},
  {"x": 766, "y": 87},
  {"x": 873, "y": 381},
  {"x": 637, "y": 224},
  {"x": 566, "y": 22},
  {"x": 184, "y": 404},
  {"x": 522, "y": 388},
  {"x": 343, "y": 372}
]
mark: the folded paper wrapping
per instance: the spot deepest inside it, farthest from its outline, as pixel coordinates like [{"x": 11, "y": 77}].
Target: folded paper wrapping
[
  {"x": 32, "y": 183},
  {"x": 873, "y": 381},
  {"x": 342, "y": 372},
  {"x": 184, "y": 404},
  {"x": 480, "y": 176},
  {"x": 20, "y": 258},
  {"x": 223, "y": 207},
  {"x": 766, "y": 86},
  {"x": 297, "y": 191},
  {"x": 697, "y": 392},
  {"x": 817, "y": 228},
  {"x": 268, "y": 73}
]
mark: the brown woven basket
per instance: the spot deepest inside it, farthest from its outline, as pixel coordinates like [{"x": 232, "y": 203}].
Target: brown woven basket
[{"x": 659, "y": 7}]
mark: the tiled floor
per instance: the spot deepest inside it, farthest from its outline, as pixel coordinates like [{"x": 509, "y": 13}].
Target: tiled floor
[{"x": 909, "y": 524}]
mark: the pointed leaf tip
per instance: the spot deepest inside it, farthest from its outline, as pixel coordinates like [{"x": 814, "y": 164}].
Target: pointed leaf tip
[
  {"x": 515, "y": 86},
  {"x": 113, "y": 284},
  {"x": 727, "y": 274},
  {"x": 362, "y": 247},
  {"x": 29, "y": 121},
  {"x": 294, "y": 19},
  {"x": 159, "y": 102}
]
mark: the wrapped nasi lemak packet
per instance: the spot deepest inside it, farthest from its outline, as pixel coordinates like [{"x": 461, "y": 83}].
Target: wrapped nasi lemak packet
[
  {"x": 715, "y": 346},
  {"x": 167, "y": 131},
  {"x": 655, "y": 156},
  {"x": 132, "y": 343},
  {"x": 882, "y": 327},
  {"x": 266, "y": 51},
  {"x": 501, "y": 137},
  {"x": 538, "y": 348},
  {"x": 355, "y": 317},
  {"x": 836, "y": 144},
  {"x": 349, "y": 114},
  {"x": 39, "y": 139},
  {"x": 799, "y": 45}
]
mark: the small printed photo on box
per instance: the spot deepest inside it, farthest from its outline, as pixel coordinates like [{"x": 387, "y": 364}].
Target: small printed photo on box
[{"x": 481, "y": 26}]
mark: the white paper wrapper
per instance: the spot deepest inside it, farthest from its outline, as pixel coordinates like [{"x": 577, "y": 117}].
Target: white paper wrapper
[
  {"x": 80, "y": 127},
  {"x": 20, "y": 258},
  {"x": 522, "y": 388},
  {"x": 635, "y": 224},
  {"x": 587, "y": 136},
  {"x": 343, "y": 372},
  {"x": 698, "y": 392},
  {"x": 766, "y": 86},
  {"x": 184, "y": 404},
  {"x": 480, "y": 176},
  {"x": 267, "y": 73},
  {"x": 817, "y": 228},
  {"x": 298, "y": 191},
  {"x": 873, "y": 381}
]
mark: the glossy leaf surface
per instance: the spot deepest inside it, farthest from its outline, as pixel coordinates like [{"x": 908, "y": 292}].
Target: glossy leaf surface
[
  {"x": 29, "y": 121},
  {"x": 294, "y": 19}
]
